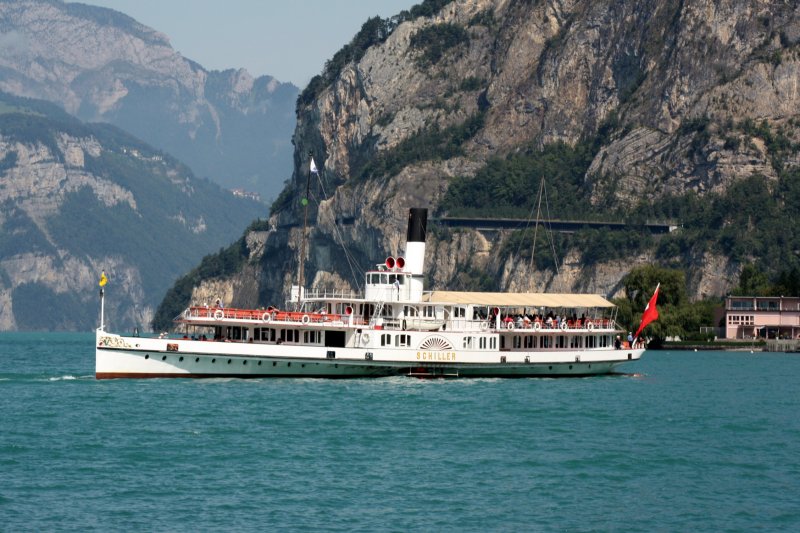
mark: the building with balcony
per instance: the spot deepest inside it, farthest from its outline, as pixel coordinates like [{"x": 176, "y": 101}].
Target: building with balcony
[{"x": 762, "y": 317}]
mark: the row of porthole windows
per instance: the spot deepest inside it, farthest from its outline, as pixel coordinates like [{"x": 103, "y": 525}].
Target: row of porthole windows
[{"x": 244, "y": 361}]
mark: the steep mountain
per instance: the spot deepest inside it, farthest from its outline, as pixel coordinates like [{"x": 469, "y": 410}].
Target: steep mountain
[
  {"x": 680, "y": 112},
  {"x": 103, "y": 66},
  {"x": 79, "y": 198}
]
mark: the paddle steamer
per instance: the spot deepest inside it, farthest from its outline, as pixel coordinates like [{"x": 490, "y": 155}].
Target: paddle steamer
[{"x": 395, "y": 328}]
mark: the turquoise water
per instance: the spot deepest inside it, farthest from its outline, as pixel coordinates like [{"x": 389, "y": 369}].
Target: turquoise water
[{"x": 686, "y": 441}]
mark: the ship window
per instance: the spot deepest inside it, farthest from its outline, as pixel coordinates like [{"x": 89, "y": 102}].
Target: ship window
[
  {"x": 312, "y": 337},
  {"x": 402, "y": 340},
  {"x": 385, "y": 279},
  {"x": 517, "y": 342},
  {"x": 469, "y": 342},
  {"x": 493, "y": 343},
  {"x": 374, "y": 279},
  {"x": 529, "y": 339},
  {"x": 591, "y": 341},
  {"x": 482, "y": 343},
  {"x": 290, "y": 335},
  {"x": 386, "y": 339}
]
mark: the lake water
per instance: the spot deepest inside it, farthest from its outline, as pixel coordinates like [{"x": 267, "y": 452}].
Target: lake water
[{"x": 685, "y": 441}]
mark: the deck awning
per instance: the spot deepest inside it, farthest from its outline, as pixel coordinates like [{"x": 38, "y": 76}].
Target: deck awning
[{"x": 518, "y": 299}]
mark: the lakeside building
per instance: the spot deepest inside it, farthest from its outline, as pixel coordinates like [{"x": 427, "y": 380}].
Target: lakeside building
[{"x": 762, "y": 317}]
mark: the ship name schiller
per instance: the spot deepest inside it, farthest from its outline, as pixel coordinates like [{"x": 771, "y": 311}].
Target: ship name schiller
[{"x": 436, "y": 356}]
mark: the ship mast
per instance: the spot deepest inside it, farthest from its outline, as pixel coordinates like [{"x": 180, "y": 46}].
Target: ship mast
[
  {"x": 311, "y": 170},
  {"x": 536, "y": 228}
]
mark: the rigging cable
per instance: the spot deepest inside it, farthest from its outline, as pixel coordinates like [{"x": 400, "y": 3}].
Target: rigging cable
[{"x": 351, "y": 262}]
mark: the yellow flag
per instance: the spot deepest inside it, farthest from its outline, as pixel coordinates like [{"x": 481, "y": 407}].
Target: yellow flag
[{"x": 103, "y": 279}]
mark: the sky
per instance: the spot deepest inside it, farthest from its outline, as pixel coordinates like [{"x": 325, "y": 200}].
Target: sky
[{"x": 287, "y": 39}]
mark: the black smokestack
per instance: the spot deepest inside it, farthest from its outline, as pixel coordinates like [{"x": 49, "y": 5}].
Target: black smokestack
[{"x": 417, "y": 224}]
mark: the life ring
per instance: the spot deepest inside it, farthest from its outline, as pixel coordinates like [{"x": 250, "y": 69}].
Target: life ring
[
  {"x": 306, "y": 319},
  {"x": 266, "y": 317},
  {"x": 219, "y": 314},
  {"x": 365, "y": 338},
  {"x": 590, "y": 326},
  {"x": 537, "y": 326},
  {"x": 510, "y": 325},
  {"x": 563, "y": 326}
]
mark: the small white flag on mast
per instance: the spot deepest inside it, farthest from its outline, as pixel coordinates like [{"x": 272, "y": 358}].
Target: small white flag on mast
[{"x": 313, "y": 167}]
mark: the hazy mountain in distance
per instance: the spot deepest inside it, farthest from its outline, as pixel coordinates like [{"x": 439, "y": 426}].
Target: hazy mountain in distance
[
  {"x": 102, "y": 65},
  {"x": 76, "y": 199}
]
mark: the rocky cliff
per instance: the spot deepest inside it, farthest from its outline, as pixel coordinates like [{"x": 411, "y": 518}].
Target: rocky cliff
[
  {"x": 77, "y": 199},
  {"x": 669, "y": 103},
  {"x": 101, "y": 65}
]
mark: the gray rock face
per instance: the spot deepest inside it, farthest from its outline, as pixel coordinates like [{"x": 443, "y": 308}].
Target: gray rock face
[
  {"x": 671, "y": 77},
  {"x": 101, "y": 65}
]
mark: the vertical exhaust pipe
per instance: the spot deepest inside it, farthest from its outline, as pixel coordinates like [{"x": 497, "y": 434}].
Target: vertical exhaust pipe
[{"x": 415, "y": 240}]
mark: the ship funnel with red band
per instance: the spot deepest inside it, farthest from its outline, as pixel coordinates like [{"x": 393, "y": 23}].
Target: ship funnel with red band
[{"x": 415, "y": 240}]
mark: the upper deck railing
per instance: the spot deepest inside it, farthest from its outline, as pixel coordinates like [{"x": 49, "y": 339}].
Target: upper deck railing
[{"x": 210, "y": 316}]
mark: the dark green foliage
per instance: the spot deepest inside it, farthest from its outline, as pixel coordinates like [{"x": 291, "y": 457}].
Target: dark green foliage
[
  {"x": 756, "y": 282},
  {"x": 472, "y": 83},
  {"x": 484, "y": 18},
  {"x": 434, "y": 143},
  {"x": 520, "y": 245},
  {"x": 752, "y": 282},
  {"x": 223, "y": 263},
  {"x": 750, "y": 220},
  {"x": 698, "y": 128},
  {"x": 284, "y": 200},
  {"x": 433, "y": 42},
  {"x": 677, "y": 316},
  {"x": 472, "y": 279},
  {"x": 603, "y": 245},
  {"x": 508, "y": 187},
  {"x": 778, "y": 144}
]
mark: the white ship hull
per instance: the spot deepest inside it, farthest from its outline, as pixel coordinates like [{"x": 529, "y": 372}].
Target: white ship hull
[{"x": 138, "y": 357}]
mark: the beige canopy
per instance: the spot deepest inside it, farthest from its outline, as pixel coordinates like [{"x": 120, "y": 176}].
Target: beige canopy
[{"x": 518, "y": 299}]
